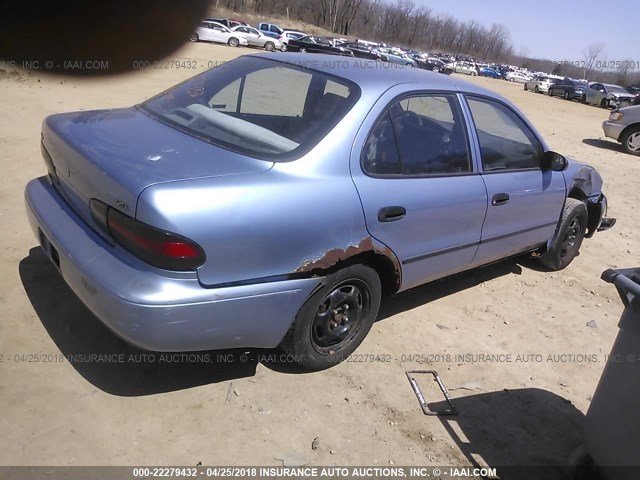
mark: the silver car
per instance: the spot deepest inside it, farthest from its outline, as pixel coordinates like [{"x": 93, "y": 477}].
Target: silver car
[
  {"x": 255, "y": 38},
  {"x": 624, "y": 126},
  {"x": 274, "y": 199},
  {"x": 606, "y": 95},
  {"x": 517, "y": 77},
  {"x": 467, "y": 68},
  {"x": 541, "y": 83}
]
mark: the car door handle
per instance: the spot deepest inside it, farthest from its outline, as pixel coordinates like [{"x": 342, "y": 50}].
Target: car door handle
[
  {"x": 391, "y": 214},
  {"x": 499, "y": 199}
]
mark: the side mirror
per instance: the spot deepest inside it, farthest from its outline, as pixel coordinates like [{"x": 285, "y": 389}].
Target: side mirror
[{"x": 554, "y": 161}]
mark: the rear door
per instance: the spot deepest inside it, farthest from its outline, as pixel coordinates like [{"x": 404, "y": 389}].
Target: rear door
[
  {"x": 420, "y": 192},
  {"x": 524, "y": 201}
]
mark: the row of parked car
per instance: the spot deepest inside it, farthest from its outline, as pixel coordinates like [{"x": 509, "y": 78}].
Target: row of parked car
[
  {"x": 273, "y": 37},
  {"x": 237, "y": 33},
  {"x": 604, "y": 95},
  {"x": 592, "y": 93}
]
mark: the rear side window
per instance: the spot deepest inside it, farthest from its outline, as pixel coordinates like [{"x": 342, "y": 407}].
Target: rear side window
[
  {"x": 419, "y": 136},
  {"x": 259, "y": 107},
  {"x": 506, "y": 143}
]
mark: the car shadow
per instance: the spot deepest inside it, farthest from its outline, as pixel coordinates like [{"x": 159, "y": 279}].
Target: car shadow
[
  {"x": 604, "y": 144},
  {"x": 525, "y": 434},
  {"x": 118, "y": 368},
  {"x": 109, "y": 363},
  {"x": 430, "y": 292}
]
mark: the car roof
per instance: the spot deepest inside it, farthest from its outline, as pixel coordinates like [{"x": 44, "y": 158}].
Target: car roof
[{"x": 386, "y": 75}]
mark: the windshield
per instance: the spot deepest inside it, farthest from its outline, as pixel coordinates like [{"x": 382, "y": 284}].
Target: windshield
[
  {"x": 258, "y": 107},
  {"x": 616, "y": 89}
]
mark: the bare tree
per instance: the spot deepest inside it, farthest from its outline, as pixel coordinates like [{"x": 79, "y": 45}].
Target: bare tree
[{"x": 591, "y": 53}]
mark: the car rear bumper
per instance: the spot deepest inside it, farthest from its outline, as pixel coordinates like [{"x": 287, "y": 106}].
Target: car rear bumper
[
  {"x": 612, "y": 129},
  {"x": 152, "y": 309}
]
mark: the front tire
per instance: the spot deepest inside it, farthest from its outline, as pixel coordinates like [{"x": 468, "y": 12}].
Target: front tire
[
  {"x": 526, "y": 89},
  {"x": 630, "y": 140},
  {"x": 566, "y": 245},
  {"x": 194, "y": 37},
  {"x": 334, "y": 321},
  {"x": 604, "y": 103},
  {"x": 566, "y": 96},
  {"x": 269, "y": 46},
  {"x": 234, "y": 42},
  {"x": 537, "y": 90}
]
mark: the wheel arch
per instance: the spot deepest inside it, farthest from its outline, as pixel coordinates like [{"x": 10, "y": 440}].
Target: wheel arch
[
  {"x": 627, "y": 128},
  {"x": 368, "y": 252},
  {"x": 594, "y": 208}
]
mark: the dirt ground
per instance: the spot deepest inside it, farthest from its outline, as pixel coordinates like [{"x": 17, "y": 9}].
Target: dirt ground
[{"x": 524, "y": 405}]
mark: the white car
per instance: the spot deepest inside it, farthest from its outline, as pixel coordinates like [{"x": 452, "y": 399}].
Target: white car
[
  {"x": 258, "y": 39},
  {"x": 519, "y": 77},
  {"x": 209, "y": 31},
  {"x": 287, "y": 35}
]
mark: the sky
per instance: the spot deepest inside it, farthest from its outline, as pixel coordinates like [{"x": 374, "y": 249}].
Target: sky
[{"x": 559, "y": 29}]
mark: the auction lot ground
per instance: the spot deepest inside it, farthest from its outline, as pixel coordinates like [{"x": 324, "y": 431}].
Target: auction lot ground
[{"x": 522, "y": 407}]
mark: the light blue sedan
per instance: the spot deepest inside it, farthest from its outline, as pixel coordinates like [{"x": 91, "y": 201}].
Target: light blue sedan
[{"x": 275, "y": 199}]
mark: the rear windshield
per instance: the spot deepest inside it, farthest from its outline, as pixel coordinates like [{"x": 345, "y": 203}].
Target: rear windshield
[{"x": 257, "y": 107}]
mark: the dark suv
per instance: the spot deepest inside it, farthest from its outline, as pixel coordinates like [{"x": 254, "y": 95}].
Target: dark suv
[{"x": 568, "y": 89}]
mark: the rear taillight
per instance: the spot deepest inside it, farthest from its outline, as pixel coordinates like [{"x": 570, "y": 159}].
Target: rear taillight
[{"x": 159, "y": 248}]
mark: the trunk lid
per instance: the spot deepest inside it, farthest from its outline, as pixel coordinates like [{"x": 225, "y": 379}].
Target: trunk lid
[{"x": 113, "y": 155}]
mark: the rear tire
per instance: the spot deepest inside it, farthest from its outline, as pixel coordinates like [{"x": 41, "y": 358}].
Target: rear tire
[
  {"x": 630, "y": 140},
  {"x": 234, "y": 42},
  {"x": 334, "y": 321},
  {"x": 537, "y": 90},
  {"x": 566, "y": 245},
  {"x": 303, "y": 50},
  {"x": 525, "y": 87}
]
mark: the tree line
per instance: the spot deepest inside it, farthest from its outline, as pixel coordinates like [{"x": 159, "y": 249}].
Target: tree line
[{"x": 402, "y": 23}]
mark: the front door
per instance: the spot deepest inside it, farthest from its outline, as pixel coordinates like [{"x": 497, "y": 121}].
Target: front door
[{"x": 524, "y": 201}]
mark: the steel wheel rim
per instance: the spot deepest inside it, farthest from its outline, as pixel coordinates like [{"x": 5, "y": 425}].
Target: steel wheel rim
[
  {"x": 571, "y": 237},
  {"x": 340, "y": 316},
  {"x": 633, "y": 142}
]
